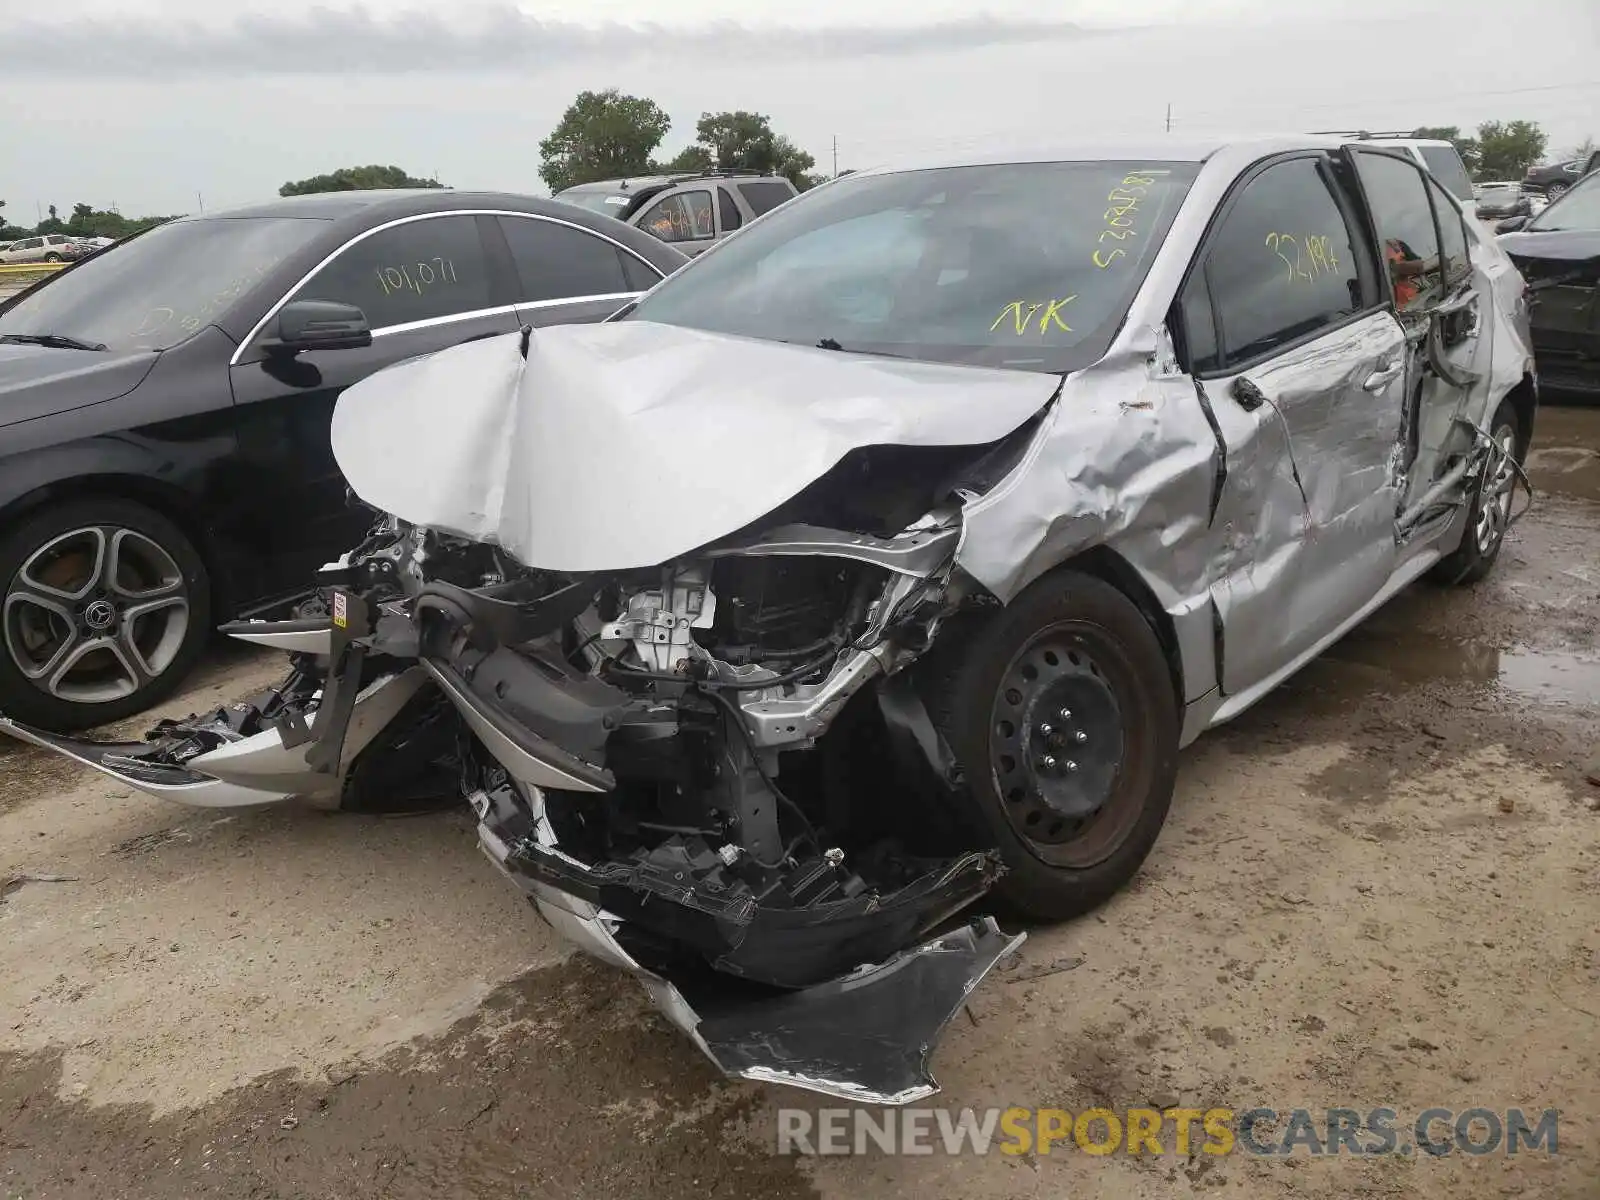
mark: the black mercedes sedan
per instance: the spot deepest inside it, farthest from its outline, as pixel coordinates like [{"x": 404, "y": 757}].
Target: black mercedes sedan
[{"x": 165, "y": 406}]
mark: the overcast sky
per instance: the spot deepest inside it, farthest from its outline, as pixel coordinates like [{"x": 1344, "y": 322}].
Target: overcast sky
[{"x": 102, "y": 105}]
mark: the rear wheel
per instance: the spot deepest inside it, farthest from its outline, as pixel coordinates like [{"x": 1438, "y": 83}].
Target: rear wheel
[
  {"x": 106, "y": 608},
  {"x": 1555, "y": 191},
  {"x": 1060, "y": 708},
  {"x": 52, "y": 257},
  {"x": 1489, "y": 512}
]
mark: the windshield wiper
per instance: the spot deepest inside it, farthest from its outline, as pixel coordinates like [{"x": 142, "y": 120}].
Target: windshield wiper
[
  {"x": 829, "y": 343},
  {"x": 56, "y": 341}
]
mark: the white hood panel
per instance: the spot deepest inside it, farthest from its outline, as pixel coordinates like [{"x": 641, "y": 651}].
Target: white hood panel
[{"x": 627, "y": 444}]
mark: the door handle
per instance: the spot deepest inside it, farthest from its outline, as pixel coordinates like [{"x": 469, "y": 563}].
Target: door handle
[{"x": 1381, "y": 377}]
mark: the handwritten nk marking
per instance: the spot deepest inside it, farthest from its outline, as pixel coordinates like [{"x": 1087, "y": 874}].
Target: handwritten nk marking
[
  {"x": 1022, "y": 313},
  {"x": 1313, "y": 255}
]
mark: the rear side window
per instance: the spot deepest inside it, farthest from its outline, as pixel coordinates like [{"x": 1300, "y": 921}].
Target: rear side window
[
  {"x": 1452, "y": 236},
  {"x": 435, "y": 267},
  {"x": 558, "y": 262},
  {"x": 731, "y": 217},
  {"x": 1447, "y": 168},
  {"x": 640, "y": 277},
  {"x": 1398, "y": 196},
  {"x": 765, "y": 195},
  {"x": 1281, "y": 266}
]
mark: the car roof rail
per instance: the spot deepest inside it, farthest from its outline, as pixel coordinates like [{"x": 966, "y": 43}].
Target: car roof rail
[{"x": 1369, "y": 135}]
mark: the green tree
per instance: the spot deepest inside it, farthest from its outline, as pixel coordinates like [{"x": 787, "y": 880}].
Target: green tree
[
  {"x": 1465, "y": 146},
  {"x": 743, "y": 140},
  {"x": 602, "y": 135},
  {"x": 353, "y": 179},
  {"x": 1506, "y": 149},
  {"x": 693, "y": 157}
]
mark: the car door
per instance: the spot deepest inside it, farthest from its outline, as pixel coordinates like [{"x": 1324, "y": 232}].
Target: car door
[
  {"x": 1284, "y": 331},
  {"x": 425, "y": 283},
  {"x": 1438, "y": 299},
  {"x": 683, "y": 217},
  {"x": 568, "y": 274},
  {"x": 28, "y": 250}
]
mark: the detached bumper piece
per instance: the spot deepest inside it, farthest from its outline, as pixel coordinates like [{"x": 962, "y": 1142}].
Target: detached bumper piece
[
  {"x": 824, "y": 995},
  {"x": 867, "y": 1036}
]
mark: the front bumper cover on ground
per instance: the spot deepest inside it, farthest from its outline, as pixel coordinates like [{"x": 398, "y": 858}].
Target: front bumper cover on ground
[{"x": 867, "y": 1036}]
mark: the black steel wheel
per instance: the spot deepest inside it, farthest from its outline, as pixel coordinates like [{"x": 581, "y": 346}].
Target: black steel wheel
[
  {"x": 104, "y": 609},
  {"x": 1061, "y": 710}
]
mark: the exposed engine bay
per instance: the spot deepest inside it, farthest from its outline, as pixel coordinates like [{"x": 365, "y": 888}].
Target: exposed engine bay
[{"x": 645, "y": 754}]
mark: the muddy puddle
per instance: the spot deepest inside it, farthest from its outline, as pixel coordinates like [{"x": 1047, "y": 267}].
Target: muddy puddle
[
  {"x": 1543, "y": 676},
  {"x": 1565, "y": 457}
]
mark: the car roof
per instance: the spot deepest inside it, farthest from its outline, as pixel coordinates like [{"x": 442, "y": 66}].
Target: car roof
[
  {"x": 1145, "y": 149},
  {"x": 383, "y": 204}
]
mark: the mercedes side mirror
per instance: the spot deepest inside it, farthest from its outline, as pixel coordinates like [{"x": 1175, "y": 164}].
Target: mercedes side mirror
[{"x": 319, "y": 325}]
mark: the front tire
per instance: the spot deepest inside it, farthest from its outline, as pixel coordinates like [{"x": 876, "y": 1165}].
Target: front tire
[
  {"x": 105, "y": 610},
  {"x": 1062, "y": 712},
  {"x": 1489, "y": 511}
]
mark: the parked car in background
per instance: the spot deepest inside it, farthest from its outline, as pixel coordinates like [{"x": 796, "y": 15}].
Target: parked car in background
[
  {"x": 1555, "y": 179},
  {"x": 164, "y": 411},
  {"x": 1558, "y": 253},
  {"x": 689, "y": 211},
  {"x": 1497, "y": 202},
  {"x": 48, "y": 248}
]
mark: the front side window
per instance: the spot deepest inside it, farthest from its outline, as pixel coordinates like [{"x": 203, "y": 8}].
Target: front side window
[
  {"x": 1281, "y": 266},
  {"x": 681, "y": 217},
  {"x": 153, "y": 290},
  {"x": 434, "y": 267},
  {"x": 558, "y": 262},
  {"x": 1399, "y": 201},
  {"x": 1024, "y": 265}
]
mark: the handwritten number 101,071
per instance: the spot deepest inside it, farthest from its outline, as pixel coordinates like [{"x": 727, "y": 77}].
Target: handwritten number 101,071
[{"x": 427, "y": 273}]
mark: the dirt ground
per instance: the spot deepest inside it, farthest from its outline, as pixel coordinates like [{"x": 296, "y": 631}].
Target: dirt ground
[{"x": 1380, "y": 887}]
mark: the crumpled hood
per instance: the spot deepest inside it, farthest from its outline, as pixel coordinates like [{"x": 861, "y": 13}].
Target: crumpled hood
[
  {"x": 40, "y": 381},
  {"x": 629, "y": 443}
]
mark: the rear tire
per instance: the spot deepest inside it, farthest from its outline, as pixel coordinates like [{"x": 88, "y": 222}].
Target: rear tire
[
  {"x": 1488, "y": 510},
  {"x": 52, "y": 258},
  {"x": 105, "y": 608},
  {"x": 1061, "y": 709}
]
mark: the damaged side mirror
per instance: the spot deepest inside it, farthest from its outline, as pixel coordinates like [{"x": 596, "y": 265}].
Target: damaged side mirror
[{"x": 318, "y": 325}]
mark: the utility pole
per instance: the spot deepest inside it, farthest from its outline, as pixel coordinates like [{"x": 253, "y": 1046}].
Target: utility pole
[
  {"x": 200, "y": 200},
  {"x": 1169, "y": 116},
  {"x": 38, "y": 211},
  {"x": 836, "y": 156}
]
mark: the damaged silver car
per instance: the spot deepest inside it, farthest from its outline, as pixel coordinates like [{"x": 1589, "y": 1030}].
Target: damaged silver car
[{"x": 882, "y": 560}]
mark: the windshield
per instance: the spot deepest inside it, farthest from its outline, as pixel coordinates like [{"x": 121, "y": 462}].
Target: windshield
[
  {"x": 1025, "y": 265},
  {"x": 154, "y": 290},
  {"x": 1578, "y": 209},
  {"x": 607, "y": 203}
]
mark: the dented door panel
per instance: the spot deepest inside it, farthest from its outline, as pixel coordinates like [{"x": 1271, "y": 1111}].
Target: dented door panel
[{"x": 1308, "y": 516}]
